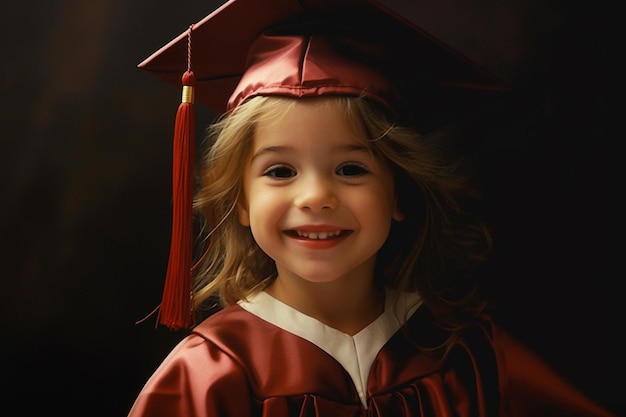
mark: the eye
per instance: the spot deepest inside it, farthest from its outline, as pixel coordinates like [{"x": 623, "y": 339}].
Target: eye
[
  {"x": 279, "y": 171},
  {"x": 352, "y": 170}
]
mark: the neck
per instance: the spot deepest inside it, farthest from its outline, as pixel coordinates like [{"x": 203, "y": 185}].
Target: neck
[{"x": 340, "y": 304}]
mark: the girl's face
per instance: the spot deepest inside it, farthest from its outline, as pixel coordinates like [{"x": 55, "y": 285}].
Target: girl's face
[{"x": 316, "y": 199}]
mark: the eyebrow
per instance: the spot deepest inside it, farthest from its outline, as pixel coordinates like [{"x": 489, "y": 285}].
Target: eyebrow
[
  {"x": 270, "y": 149},
  {"x": 281, "y": 149}
]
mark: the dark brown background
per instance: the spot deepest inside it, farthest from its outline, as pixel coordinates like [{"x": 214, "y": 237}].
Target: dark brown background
[{"x": 85, "y": 190}]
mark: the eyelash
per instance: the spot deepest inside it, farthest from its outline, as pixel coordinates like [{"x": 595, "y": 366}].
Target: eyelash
[
  {"x": 274, "y": 170},
  {"x": 360, "y": 169}
]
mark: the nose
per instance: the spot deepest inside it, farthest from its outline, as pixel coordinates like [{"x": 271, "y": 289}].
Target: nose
[{"x": 316, "y": 193}]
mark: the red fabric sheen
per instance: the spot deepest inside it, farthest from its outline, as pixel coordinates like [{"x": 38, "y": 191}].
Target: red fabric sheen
[{"x": 236, "y": 364}]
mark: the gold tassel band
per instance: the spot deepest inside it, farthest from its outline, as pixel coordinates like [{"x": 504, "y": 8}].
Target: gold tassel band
[{"x": 187, "y": 94}]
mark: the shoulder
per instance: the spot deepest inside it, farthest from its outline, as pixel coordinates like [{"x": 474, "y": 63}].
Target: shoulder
[
  {"x": 223, "y": 322},
  {"x": 197, "y": 371},
  {"x": 527, "y": 381},
  {"x": 204, "y": 346},
  {"x": 221, "y": 334},
  {"x": 231, "y": 329}
]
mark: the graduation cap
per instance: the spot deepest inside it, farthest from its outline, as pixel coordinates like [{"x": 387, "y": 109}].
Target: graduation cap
[{"x": 301, "y": 48}]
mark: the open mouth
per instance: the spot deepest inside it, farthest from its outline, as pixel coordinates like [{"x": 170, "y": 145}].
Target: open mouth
[{"x": 327, "y": 235}]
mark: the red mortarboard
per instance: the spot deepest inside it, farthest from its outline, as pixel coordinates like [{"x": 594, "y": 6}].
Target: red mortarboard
[{"x": 302, "y": 48}]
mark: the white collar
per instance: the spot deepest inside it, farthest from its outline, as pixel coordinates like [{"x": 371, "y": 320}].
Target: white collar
[{"x": 355, "y": 353}]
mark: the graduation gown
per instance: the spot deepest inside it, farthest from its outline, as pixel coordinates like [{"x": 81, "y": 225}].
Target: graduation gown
[{"x": 264, "y": 358}]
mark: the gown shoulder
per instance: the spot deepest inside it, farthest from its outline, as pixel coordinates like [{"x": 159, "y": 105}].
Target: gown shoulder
[{"x": 236, "y": 364}]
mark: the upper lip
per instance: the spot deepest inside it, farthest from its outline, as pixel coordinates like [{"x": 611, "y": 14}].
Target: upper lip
[{"x": 319, "y": 228}]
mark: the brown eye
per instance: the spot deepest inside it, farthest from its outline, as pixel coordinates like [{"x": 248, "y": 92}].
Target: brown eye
[
  {"x": 279, "y": 172},
  {"x": 351, "y": 170}
]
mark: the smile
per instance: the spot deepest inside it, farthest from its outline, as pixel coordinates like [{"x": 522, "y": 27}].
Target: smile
[{"x": 319, "y": 235}]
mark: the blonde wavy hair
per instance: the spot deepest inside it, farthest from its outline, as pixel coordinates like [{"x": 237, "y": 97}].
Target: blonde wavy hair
[{"x": 436, "y": 250}]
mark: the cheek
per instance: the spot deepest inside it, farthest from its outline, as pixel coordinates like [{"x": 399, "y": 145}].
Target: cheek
[
  {"x": 378, "y": 201},
  {"x": 264, "y": 208},
  {"x": 265, "y": 215},
  {"x": 374, "y": 211}
]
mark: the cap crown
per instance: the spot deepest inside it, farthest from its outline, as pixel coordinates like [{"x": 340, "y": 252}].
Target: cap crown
[{"x": 318, "y": 47}]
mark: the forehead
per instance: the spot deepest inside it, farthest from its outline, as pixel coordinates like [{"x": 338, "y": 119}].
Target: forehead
[{"x": 323, "y": 120}]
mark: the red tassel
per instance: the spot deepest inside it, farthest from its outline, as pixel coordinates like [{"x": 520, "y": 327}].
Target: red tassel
[
  {"x": 176, "y": 311},
  {"x": 176, "y": 307}
]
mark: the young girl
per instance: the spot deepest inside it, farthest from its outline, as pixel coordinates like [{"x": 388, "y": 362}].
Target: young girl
[{"x": 339, "y": 251}]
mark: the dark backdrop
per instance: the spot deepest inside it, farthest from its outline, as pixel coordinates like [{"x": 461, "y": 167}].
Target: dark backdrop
[{"x": 85, "y": 157}]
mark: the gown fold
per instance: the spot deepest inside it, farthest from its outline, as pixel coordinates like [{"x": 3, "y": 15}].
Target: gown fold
[{"x": 236, "y": 364}]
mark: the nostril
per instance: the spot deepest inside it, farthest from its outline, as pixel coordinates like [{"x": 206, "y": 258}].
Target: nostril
[{"x": 316, "y": 199}]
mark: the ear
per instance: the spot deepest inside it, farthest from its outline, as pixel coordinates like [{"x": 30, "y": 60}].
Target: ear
[
  {"x": 397, "y": 215},
  {"x": 244, "y": 215}
]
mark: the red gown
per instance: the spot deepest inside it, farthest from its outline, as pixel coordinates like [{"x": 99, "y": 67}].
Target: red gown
[{"x": 237, "y": 364}]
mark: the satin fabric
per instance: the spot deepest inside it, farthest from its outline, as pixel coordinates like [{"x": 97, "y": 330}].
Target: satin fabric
[
  {"x": 311, "y": 66},
  {"x": 236, "y": 364},
  {"x": 369, "y": 44}
]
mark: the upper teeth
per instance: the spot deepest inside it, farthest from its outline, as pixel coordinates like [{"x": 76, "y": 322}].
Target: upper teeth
[{"x": 318, "y": 235}]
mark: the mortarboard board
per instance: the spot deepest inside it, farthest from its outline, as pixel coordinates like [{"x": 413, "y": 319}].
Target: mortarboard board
[
  {"x": 301, "y": 48},
  {"x": 366, "y": 34}
]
